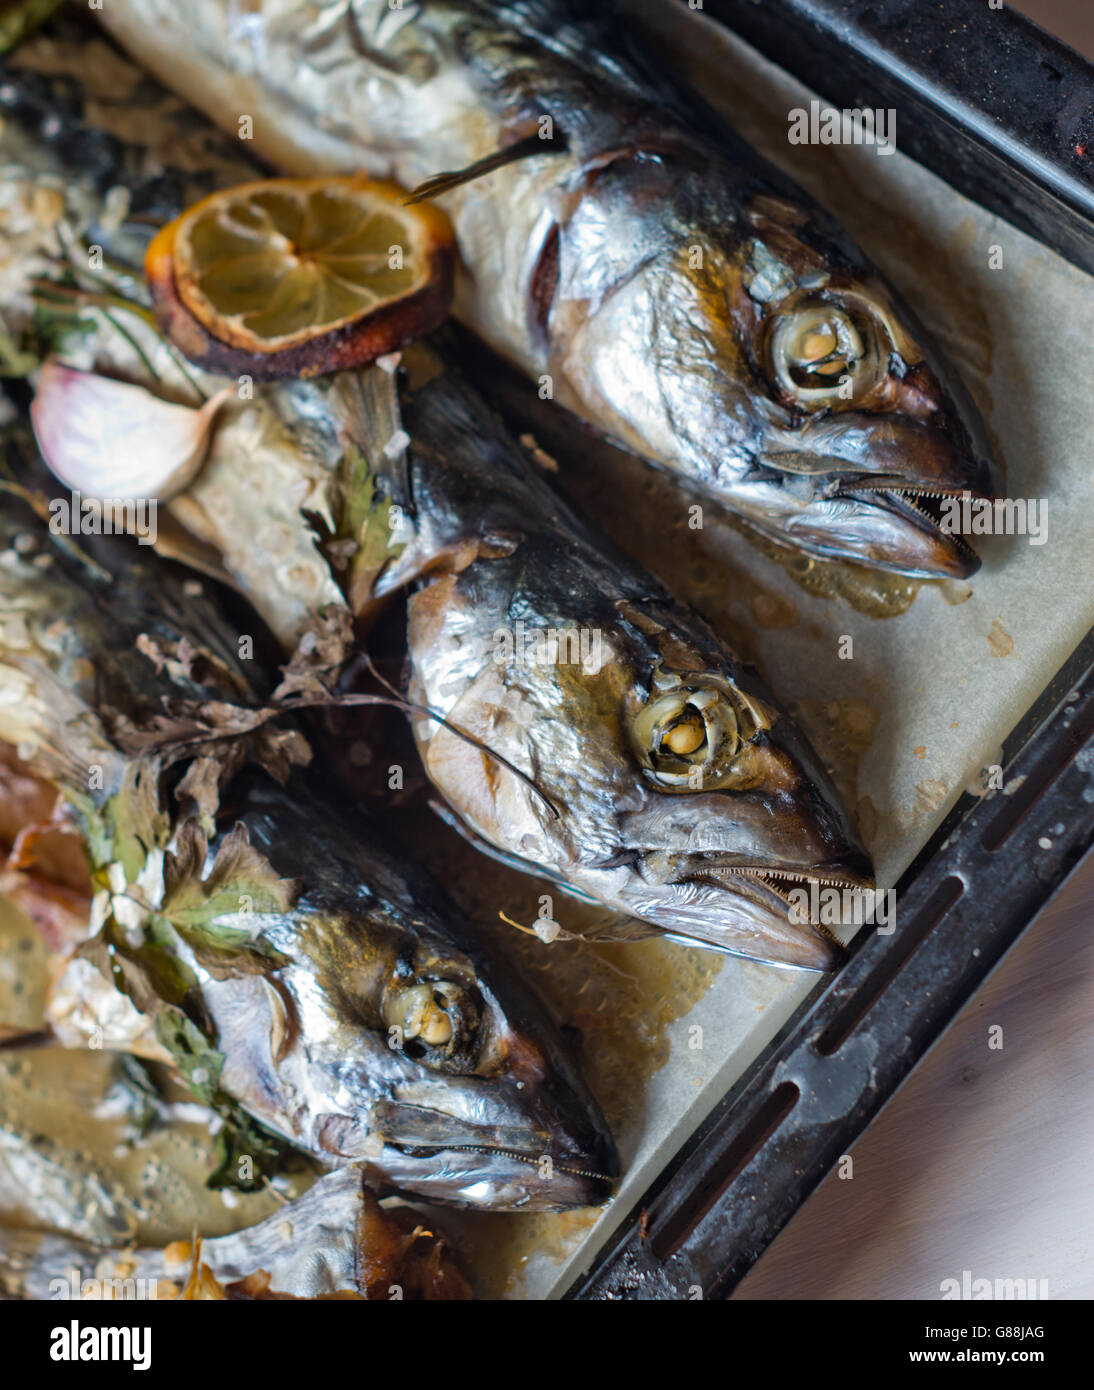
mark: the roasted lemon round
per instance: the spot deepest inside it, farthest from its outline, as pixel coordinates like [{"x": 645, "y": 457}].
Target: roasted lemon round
[{"x": 294, "y": 277}]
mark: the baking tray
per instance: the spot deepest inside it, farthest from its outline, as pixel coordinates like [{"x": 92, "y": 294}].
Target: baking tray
[
  {"x": 695, "y": 1223},
  {"x": 999, "y": 108},
  {"x": 1003, "y": 112}
]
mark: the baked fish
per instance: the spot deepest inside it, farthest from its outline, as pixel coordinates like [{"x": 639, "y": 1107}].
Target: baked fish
[
  {"x": 620, "y": 245},
  {"x": 290, "y": 963}
]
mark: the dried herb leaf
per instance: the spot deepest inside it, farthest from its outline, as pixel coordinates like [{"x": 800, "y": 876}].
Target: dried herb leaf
[
  {"x": 241, "y": 880},
  {"x": 147, "y": 974},
  {"x": 364, "y": 520},
  {"x": 319, "y": 656},
  {"x": 201, "y": 783},
  {"x": 198, "y": 1062},
  {"x": 242, "y": 1138},
  {"x": 128, "y": 825},
  {"x": 137, "y": 824}
]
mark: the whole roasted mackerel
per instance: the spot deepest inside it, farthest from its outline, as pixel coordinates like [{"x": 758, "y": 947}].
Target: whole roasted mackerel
[{"x": 621, "y": 245}]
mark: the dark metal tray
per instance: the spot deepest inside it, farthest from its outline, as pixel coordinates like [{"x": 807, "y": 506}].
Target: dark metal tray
[{"x": 1003, "y": 112}]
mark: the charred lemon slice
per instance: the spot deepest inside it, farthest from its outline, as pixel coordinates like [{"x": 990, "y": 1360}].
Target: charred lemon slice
[{"x": 293, "y": 277}]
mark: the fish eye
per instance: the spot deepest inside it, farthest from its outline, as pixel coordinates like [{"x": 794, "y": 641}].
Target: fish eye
[
  {"x": 433, "y": 1021},
  {"x": 813, "y": 348},
  {"x": 684, "y": 729}
]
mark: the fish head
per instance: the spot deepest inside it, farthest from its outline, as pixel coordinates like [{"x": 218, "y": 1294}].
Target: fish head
[
  {"x": 483, "y": 1105},
  {"x": 756, "y": 354},
  {"x": 662, "y": 779},
  {"x": 398, "y": 1039},
  {"x": 738, "y": 826}
]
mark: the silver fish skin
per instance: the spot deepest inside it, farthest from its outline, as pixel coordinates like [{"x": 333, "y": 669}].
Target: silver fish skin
[
  {"x": 361, "y": 1020},
  {"x": 661, "y": 777},
  {"x": 319, "y": 1257},
  {"x": 335, "y": 1239},
  {"x": 682, "y": 296}
]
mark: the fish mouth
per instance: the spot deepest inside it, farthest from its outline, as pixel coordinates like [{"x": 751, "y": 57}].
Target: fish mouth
[
  {"x": 502, "y": 1166},
  {"x": 892, "y": 526},
  {"x": 782, "y": 881},
  {"x": 884, "y": 486},
  {"x": 923, "y": 508},
  {"x": 764, "y": 912},
  {"x": 847, "y": 865}
]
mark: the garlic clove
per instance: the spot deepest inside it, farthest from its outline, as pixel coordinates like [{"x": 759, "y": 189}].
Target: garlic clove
[{"x": 108, "y": 438}]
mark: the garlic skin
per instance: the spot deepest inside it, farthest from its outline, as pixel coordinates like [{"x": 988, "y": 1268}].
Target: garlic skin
[{"x": 108, "y": 439}]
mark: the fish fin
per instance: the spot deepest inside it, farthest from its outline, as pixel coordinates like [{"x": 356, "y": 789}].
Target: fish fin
[
  {"x": 511, "y": 861},
  {"x": 527, "y": 148}
]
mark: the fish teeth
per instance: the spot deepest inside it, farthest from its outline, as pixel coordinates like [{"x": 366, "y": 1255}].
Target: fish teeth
[
  {"x": 910, "y": 494},
  {"x": 523, "y": 1158}
]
